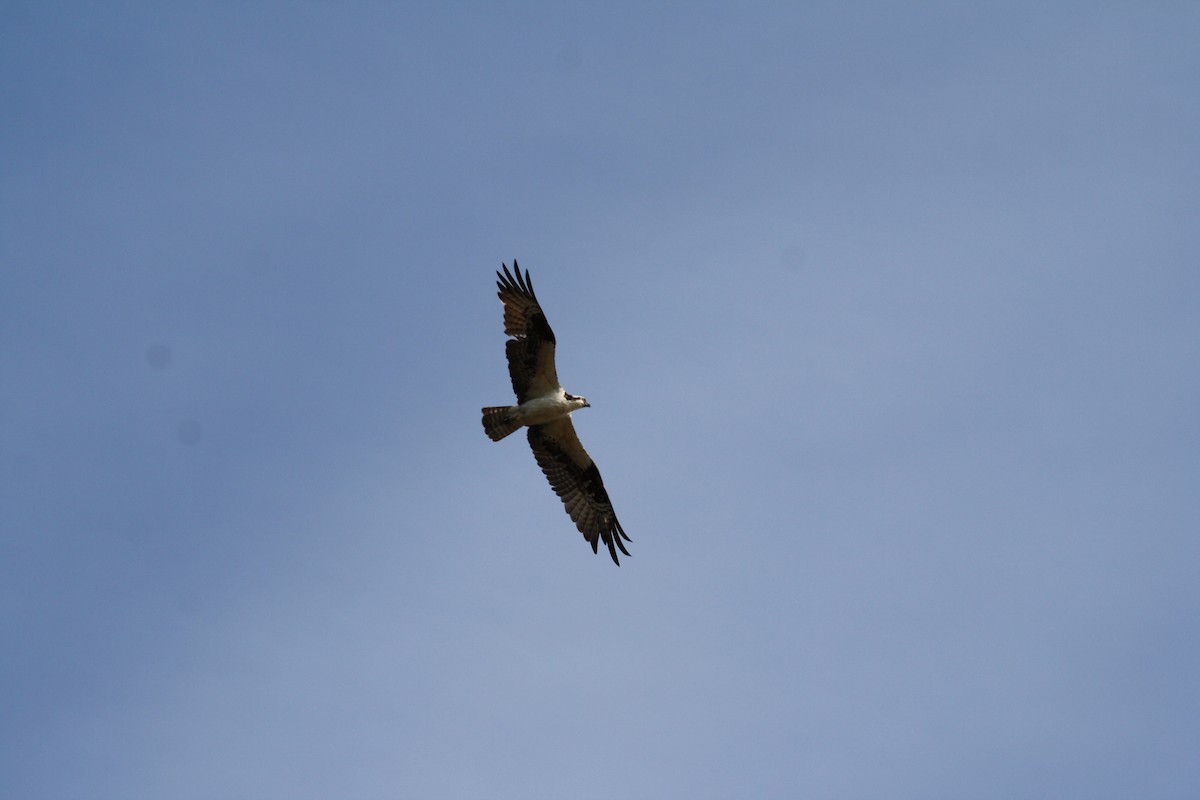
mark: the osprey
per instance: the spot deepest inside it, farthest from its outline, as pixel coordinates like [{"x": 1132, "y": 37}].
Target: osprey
[{"x": 545, "y": 409}]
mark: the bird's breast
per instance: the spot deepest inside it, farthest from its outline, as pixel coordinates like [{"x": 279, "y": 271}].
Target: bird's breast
[{"x": 540, "y": 410}]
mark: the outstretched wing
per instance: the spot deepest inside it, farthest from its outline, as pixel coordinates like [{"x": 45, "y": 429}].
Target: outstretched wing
[
  {"x": 575, "y": 479},
  {"x": 531, "y": 350}
]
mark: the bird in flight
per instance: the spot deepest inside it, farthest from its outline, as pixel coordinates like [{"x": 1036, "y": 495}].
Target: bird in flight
[{"x": 544, "y": 409}]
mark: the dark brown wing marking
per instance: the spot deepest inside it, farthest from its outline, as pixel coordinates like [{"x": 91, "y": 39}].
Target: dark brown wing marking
[
  {"x": 574, "y": 478},
  {"x": 531, "y": 350}
]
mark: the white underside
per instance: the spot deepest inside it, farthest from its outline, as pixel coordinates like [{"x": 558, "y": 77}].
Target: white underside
[{"x": 541, "y": 410}]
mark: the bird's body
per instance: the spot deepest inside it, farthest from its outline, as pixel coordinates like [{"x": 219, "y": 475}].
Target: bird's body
[
  {"x": 539, "y": 410},
  {"x": 545, "y": 409},
  {"x": 500, "y": 421}
]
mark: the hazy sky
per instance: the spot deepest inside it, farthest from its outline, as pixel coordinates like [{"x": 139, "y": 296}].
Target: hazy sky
[{"x": 887, "y": 312}]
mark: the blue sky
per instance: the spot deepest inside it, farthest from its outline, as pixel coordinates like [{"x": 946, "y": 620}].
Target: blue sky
[{"x": 888, "y": 318}]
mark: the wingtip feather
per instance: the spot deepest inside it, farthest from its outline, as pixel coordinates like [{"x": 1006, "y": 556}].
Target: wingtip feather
[{"x": 517, "y": 282}]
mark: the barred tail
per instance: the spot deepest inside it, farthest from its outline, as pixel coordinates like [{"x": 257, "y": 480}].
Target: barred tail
[{"x": 498, "y": 422}]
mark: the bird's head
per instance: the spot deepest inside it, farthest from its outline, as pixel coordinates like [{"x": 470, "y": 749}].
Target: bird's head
[{"x": 577, "y": 401}]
